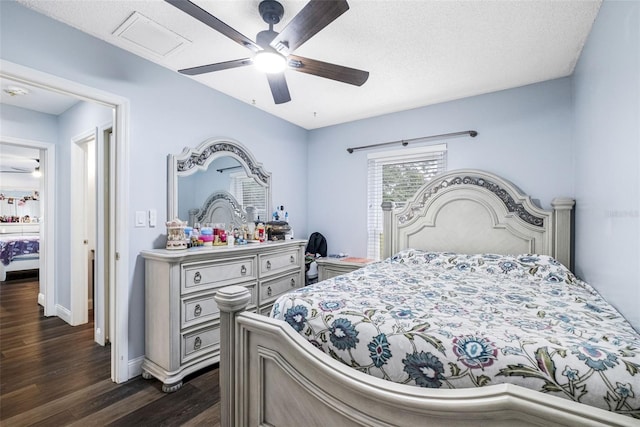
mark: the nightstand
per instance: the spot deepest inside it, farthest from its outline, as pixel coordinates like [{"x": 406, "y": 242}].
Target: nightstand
[{"x": 331, "y": 267}]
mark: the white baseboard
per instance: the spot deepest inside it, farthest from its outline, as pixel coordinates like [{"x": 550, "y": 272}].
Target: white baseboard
[
  {"x": 63, "y": 313},
  {"x": 135, "y": 367},
  {"x": 41, "y": 299}
]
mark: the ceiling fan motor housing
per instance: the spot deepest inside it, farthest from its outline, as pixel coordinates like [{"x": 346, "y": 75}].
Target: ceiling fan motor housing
[
  {"x": 263, "y": 38},
  {"x": 271, "y": 11}
]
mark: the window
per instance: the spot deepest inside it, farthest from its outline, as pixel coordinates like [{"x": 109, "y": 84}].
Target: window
[
  {"x": 248, "y": 193},
  {"x": 395, "y": 176}
]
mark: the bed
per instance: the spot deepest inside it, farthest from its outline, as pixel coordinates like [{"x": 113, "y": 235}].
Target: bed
[
  {"x": 473, "y": 318},
  {"x": 19, "y": 249}
]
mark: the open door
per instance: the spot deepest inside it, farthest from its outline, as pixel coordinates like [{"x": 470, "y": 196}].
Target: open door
[{"x": 105, "y": 159}]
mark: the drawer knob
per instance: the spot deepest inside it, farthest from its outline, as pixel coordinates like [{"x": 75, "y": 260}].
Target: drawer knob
[
  {"x": 197, "y": 277},
  {"x": 269, "y": 291},
  {"x": 243, "y": 270},
  {"x": 197, "y": 311},
  {"x": 197, "y": 343},
  {"x": 292, "y": 259},
  {"x": 293, "y": 282},
  {"x": 268, "y": 265}
]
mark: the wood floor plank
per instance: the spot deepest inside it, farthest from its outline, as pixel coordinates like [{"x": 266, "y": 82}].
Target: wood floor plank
[
  {"x": 39, "y": 413},
  {"x": 119, "y": 409},
  {"x": 53, "y": 374}
]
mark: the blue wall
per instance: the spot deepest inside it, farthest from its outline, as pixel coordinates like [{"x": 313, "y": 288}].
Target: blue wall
[
  {"x": 524, "y": 135},
  {"x": 28, "y": 124},
  {"x": 606, "y": 104}
]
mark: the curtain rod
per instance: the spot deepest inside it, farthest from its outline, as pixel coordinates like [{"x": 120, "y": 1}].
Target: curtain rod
[
  {"x": 405, "y": 142},
  {"x": 229, "y": 168}
]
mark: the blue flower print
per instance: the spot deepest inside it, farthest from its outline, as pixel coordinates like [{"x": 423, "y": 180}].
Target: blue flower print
[
  {"x": 424, "y": 368},
  {"x": 463, "y": 266},
  {"x": 379, "y": 350},
  {"x": 343, "y": 334},
  {"x": 624, "y": 390},
  {"x": 475, "y": 352},
  {"x": 517, "y": 298},
  {"x": 593, "y": 308},
  {"x": 507, "y": 266},
  {"x": 296, "y": 317},
  {"x": 403, "y": 313},
  {"x": 330, "y": 305},
  {"x": 571, "y": 374},
  {"x": 529, "y": 259},
  {"x": 554, "y": 278},
  {"x": 595, "y": 357},
  {"x": 430, "y": 256}
]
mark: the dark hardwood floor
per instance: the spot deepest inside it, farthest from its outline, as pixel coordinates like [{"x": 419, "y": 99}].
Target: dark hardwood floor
[{"x": 52, "y": 374}]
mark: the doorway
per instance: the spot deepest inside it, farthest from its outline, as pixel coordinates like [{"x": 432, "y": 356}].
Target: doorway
[
  {"x": 117, "y": 256},
  {"x": 91, "y": 168}
]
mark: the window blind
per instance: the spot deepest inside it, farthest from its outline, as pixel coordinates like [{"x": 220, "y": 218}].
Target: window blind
[
  {"x": 395, "y": 177},
  {"x": 249, "y": 193}
]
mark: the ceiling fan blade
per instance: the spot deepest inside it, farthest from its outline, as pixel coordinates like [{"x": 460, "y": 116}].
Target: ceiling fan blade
[
  {"x": 339, "y": 73},
  {"x": 201, "y": 69},
  {"x": 316, "y": 15},
  {"x": 279, "y": 88},
  {"x": 210, "y": 20}
]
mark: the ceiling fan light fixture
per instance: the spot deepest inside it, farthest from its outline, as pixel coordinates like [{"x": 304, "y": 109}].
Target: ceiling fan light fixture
[{"x": 270, "y": 62}]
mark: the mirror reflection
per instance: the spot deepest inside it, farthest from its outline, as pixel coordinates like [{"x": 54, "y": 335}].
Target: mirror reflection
[
  {"x": 224, "y": 174},
  {"x": 218, "y": 182}
]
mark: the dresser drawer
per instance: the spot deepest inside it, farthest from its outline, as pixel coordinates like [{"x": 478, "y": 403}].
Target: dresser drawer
[
  {"x": 203, "y": 308},
  {"x": 221, "y": 273},
  {"x": 202, "y": 341},
  {"x": 273, "y": 288},
  {"x": 280, "y": 262}
]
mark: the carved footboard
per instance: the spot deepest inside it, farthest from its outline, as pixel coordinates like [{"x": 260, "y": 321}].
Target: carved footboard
[{"x": 270, "y": 375}]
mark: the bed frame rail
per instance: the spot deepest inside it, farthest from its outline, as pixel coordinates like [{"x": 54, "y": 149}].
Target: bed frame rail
[{"x": 270, "y": 375}]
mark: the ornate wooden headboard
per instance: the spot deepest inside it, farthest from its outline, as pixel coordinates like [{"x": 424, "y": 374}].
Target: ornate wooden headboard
[
  {"x": 472, "y": 211},
  {"x": 220, "y": 207}
]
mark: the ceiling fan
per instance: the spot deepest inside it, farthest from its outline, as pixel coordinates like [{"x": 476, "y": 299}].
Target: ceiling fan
[
  {"x": 7, "y": 167},
  {"x": 272, "y": 50}
]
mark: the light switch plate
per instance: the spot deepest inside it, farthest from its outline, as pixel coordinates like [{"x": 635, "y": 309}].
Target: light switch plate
[
  {"x": 153, "y": 218},
  {"x": 141, "y": 219}
]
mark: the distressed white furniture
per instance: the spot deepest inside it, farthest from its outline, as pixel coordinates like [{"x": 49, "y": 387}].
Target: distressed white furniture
[
  {"x": 271, "y": 375},
  {"x": 182, "y": 318},
  {"x": 331, "y": 267}
]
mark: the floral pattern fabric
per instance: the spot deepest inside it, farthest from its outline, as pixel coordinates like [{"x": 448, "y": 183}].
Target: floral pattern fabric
[
  {"x": 13, "y": 246},
  {"x": 445, "y": 320}
]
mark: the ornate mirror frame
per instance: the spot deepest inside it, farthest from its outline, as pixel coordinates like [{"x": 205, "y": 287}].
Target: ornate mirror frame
[{"x": 192, "y": 160}]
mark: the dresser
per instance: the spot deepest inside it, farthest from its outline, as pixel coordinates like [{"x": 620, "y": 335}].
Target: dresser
[{"x": 182, "y": 319}]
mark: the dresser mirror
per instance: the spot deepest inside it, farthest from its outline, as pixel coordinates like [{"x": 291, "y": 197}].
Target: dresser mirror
[{"x": 218, "y": 181}]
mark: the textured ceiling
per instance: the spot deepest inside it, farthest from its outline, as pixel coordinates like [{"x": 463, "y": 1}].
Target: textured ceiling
[{"x": 417, "y": 52}]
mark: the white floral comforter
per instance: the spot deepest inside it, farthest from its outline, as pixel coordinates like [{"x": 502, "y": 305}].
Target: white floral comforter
[{"x": 445, "y": 320}]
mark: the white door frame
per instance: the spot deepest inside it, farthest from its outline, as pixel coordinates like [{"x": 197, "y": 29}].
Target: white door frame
[
  {"x": 119, "y": 255},
  {"x": 46, "y": 297}
]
